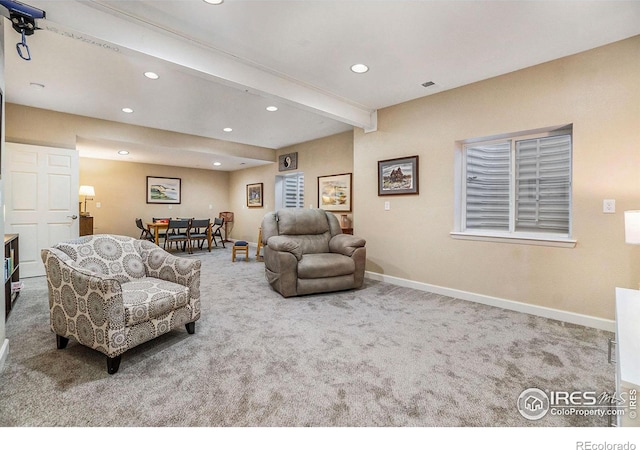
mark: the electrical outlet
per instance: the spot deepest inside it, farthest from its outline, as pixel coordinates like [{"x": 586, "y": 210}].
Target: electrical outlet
[
  {"x": 387, "y": 206},
  {"x": 609, "y": 206}
]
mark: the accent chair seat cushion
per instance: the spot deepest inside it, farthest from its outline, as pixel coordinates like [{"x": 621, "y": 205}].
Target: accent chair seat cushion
[
  {"x": 151, "y": 298},
  {"x": 324, "y": 265}
]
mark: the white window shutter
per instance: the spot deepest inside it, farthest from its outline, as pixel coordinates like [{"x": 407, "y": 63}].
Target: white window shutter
[
  {"x": 294, "y": 191},
  {"x": 543, "y": 184},
  {"x": 487, "y": 186}
]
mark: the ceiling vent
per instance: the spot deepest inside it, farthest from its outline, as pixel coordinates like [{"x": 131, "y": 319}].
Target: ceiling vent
[{"x": 428, "y": 83}]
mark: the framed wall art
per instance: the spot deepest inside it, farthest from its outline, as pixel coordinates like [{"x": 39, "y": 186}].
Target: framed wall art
[
  {"x": 254, "y": 195},
  {"x": 398, "y": 176},
  {"x": 334, "y": 192},
  {"x": 163, "y": 190},
  {"x": 288, "y": 161}
]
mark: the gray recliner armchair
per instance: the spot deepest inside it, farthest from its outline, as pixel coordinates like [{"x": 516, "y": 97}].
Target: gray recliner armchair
[{"x": 305, "y": 252}]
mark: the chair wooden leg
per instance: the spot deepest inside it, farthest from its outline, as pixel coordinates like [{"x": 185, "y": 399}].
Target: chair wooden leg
[
  {"x": 113, "y": 364},
  {"x": 191, "y": 327},
  {"x": 61, "y": 342}
]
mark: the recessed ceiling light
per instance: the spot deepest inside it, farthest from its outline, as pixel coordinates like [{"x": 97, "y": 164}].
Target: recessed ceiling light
[
  {"x": 123, "y": 152},
  {"x": 359, "y": 68},
  {"x": 127, "y": 110},
  {"x": 272, "y": 108},
  {"x": 217, "y": 163},
  {"x": 151, "y": 75},
  {"x": 227, "y": 130},
  {"x": 37, "y": 86},
  {"x": 214, "y": 2}
]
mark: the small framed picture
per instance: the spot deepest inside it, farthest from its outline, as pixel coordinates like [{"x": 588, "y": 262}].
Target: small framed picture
[
  {"x": 398, "y": 176},
  {"x": 334, "y": 192},
  {"x": 288, "y": 162},
  {"x": 254, "y": 195},
  {"x": 163, "y": 190}
]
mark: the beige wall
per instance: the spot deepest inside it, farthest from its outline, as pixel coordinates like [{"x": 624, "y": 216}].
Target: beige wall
[
  {"x": 327, "y": 156},
  {"x": 596, "y": 91},
  {"x": 121, "y": 191}
]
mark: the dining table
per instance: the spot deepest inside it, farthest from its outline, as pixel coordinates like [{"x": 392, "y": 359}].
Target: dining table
[{"x": 155, "y": 227}]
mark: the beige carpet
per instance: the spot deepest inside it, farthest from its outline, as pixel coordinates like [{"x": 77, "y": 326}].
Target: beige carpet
[{"x": 381, "y": 356}]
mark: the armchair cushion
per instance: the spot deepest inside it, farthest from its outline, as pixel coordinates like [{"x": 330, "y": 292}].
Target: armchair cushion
[
  {"x": 150, "y": 298},
  {"x": 324, "y": 265},
  {"x": 298, "y": 222},
  {"x": 107, "y": 256}
]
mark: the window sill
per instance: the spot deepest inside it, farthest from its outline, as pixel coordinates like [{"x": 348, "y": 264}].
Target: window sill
[{"x": 527, "y": 240}]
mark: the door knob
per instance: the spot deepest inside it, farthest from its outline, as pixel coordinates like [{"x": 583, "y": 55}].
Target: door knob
[{"x": 74, "y": 217}]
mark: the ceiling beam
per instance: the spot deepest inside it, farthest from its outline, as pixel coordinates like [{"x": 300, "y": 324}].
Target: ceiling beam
[{"x": 92, "y": 21}]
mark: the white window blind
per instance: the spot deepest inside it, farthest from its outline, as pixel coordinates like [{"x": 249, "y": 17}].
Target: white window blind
[
  {"x": 293, "y": 191},
  {"x": 488, "y": 174},
  {"x": 520, "y": 186},
  {"x": 543, "y": 184}
]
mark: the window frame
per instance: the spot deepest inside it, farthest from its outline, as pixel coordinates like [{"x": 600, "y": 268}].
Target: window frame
[{"x": 460, "y": 230}]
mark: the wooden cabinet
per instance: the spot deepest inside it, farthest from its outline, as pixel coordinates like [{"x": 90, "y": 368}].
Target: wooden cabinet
[
  {"x": 86, "y": 225},
  {"x": 11, "y": 272}
]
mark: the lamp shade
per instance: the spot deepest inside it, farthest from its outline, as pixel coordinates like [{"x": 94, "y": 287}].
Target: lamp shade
[
  {"x": 87, "y": 190},
  {"x": 632, "y": 227}
]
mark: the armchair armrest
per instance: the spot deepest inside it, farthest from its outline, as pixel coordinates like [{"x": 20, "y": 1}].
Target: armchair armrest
[
  {"x": 285, "y": 244},
  {"x": 91, "y": 302},
  {"x": 64, "y": 274},
  {"x": 345, "y": 244}
]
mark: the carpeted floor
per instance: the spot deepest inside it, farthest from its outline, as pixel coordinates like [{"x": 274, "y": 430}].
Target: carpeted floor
[{"x": 381, "y": 356}]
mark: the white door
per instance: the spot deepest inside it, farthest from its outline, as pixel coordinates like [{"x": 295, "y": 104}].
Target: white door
[{"x": 41, "y": 200}]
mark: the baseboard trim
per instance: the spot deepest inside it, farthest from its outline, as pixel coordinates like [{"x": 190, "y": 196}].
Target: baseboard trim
[
  {"x": 4, "y": 353},
  {"x": 542, "y": 311}
]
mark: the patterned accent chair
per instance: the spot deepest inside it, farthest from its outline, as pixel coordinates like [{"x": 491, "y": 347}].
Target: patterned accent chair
[
  {"x": 112, "y": 293},
  {"x": 305, "y": 252}
]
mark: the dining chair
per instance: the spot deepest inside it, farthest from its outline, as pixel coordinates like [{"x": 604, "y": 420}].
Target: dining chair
[
  {"x": 218, "y": 222},
  {"x": 178, "y": 231},
  {"x": 200, "y": 232},
  {"x": 145, "y": 233}
]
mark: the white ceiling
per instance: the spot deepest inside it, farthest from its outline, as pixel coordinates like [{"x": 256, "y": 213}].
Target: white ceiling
[{"x": 221, "y": 66}]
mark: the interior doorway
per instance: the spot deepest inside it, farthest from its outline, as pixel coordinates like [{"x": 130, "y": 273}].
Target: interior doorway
[{"x": 41, "y": 200}]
